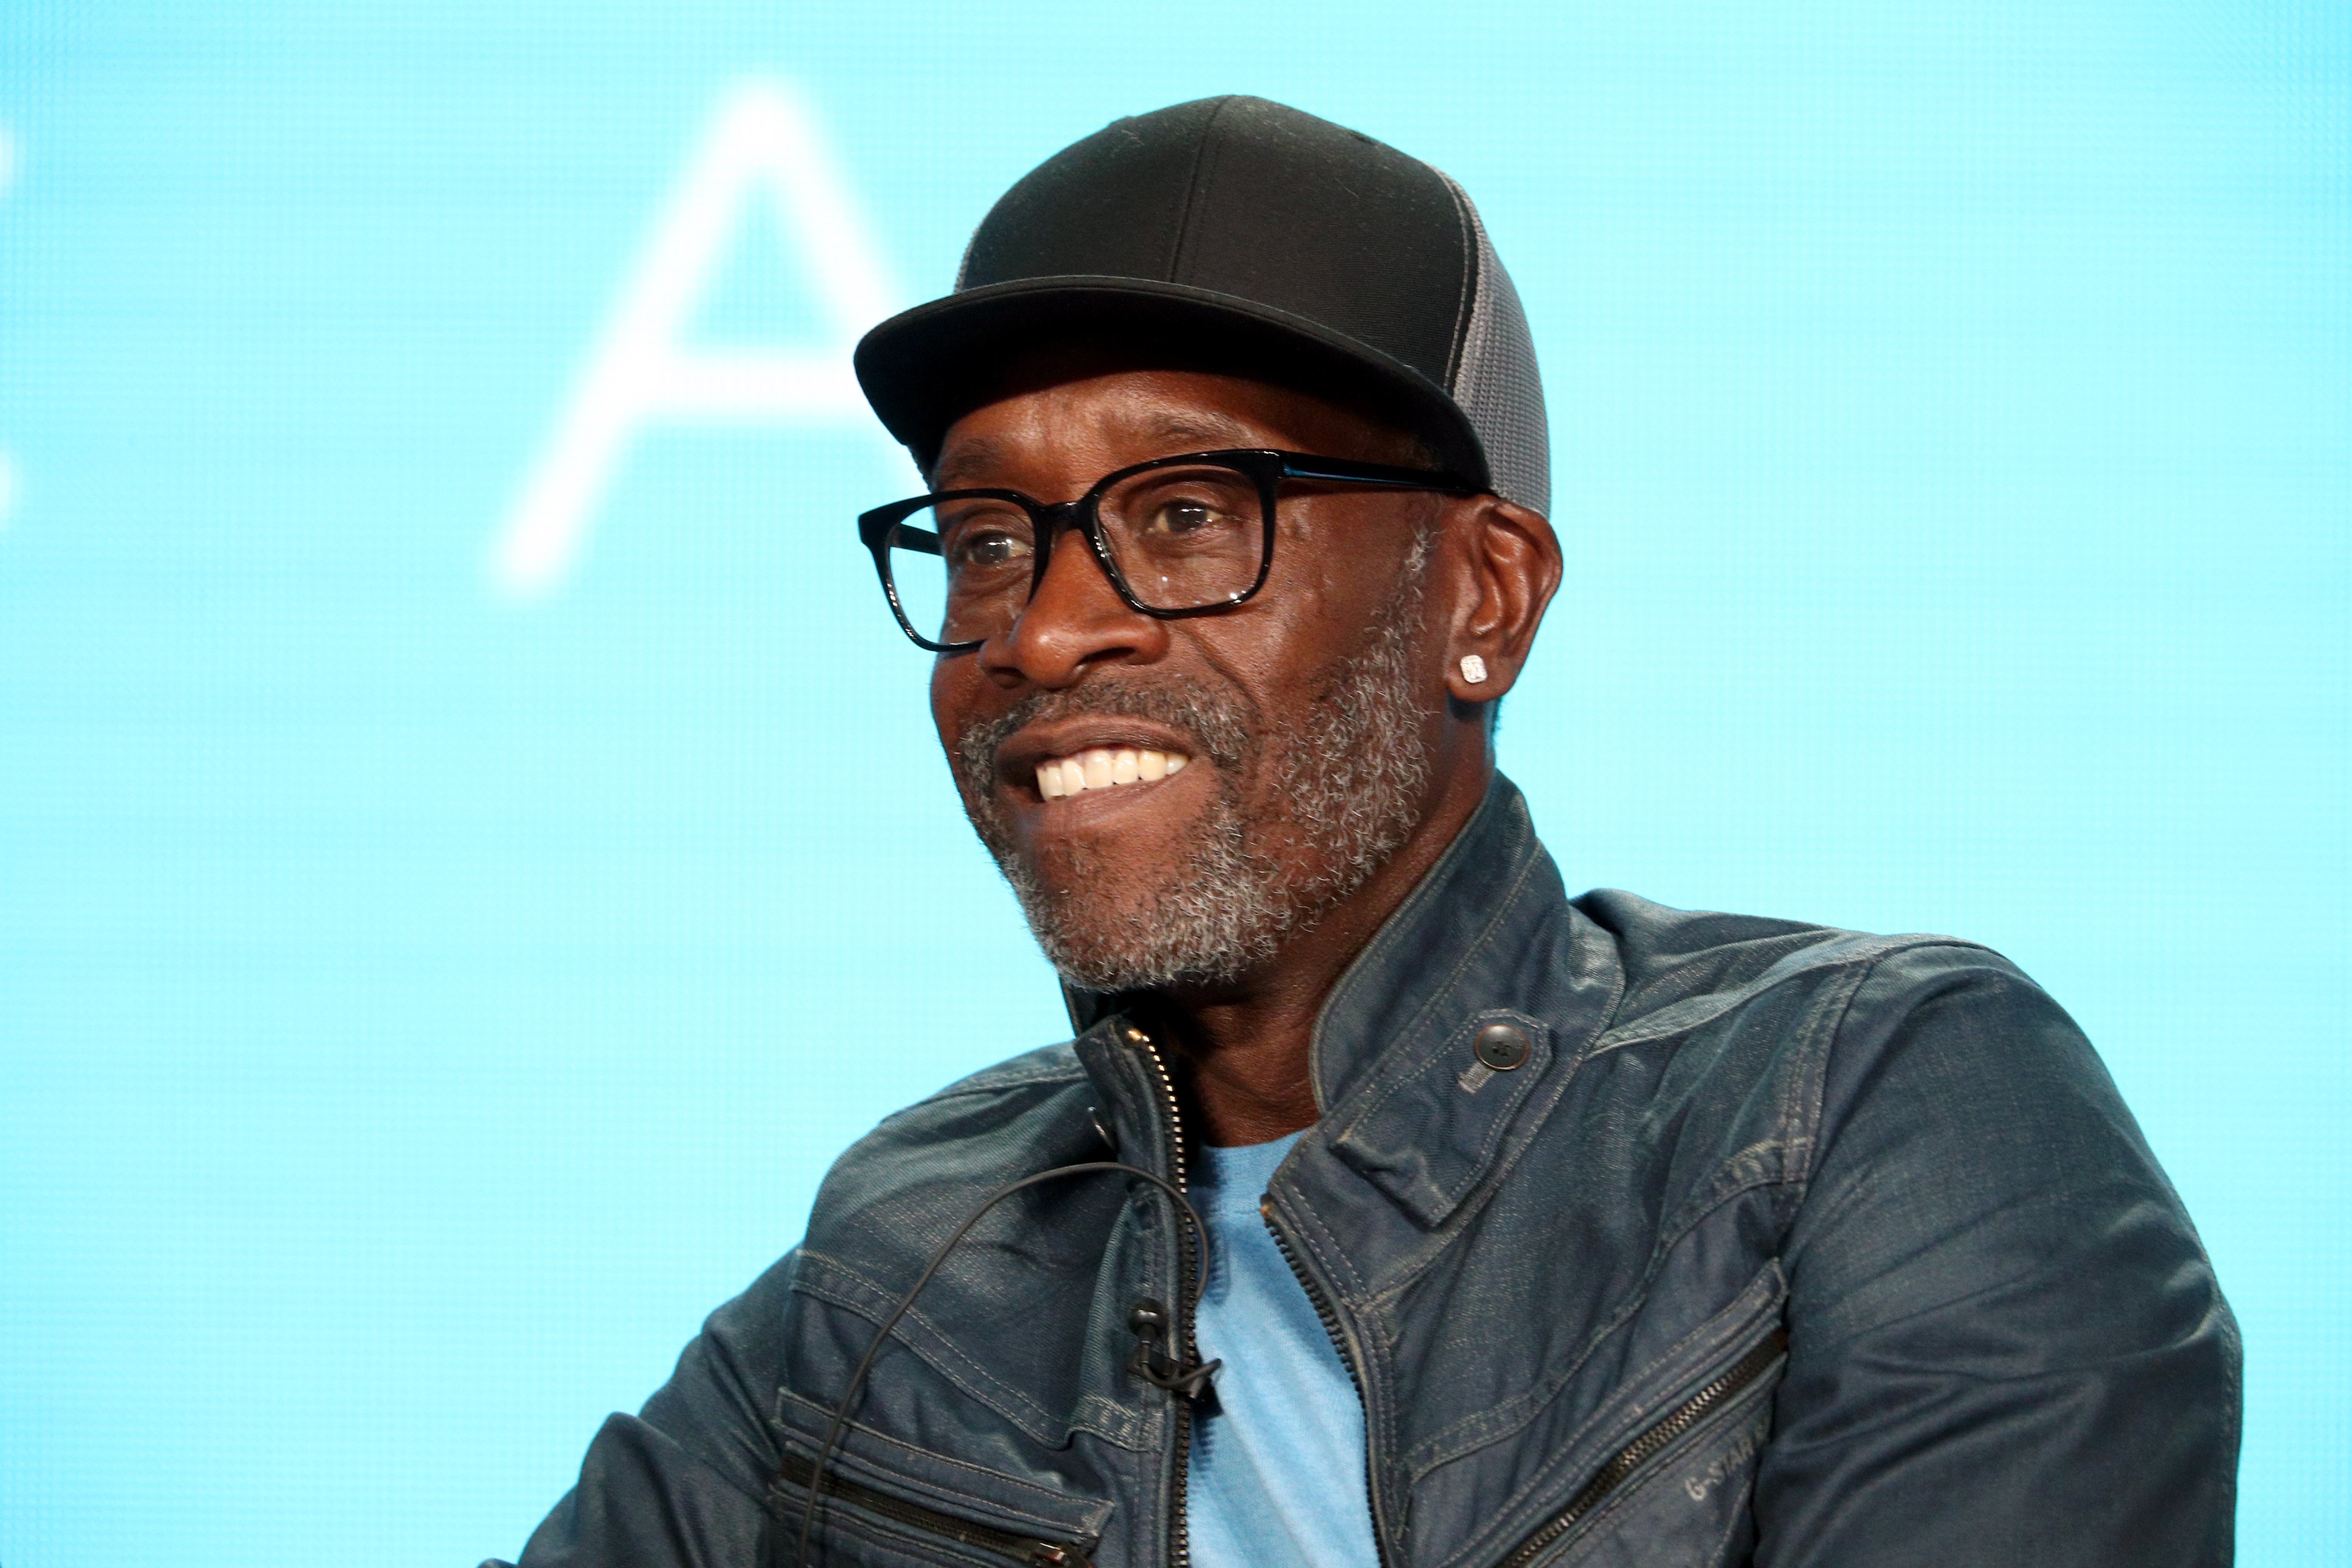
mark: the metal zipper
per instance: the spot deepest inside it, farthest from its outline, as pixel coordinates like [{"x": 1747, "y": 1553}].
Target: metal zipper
[
  {"x": 1180, "y": 1545},
  {"x": 1646, "y": 1447},
  {"x": 1331, "y": 1320},
  {"x": 1028, "y": 1549}
]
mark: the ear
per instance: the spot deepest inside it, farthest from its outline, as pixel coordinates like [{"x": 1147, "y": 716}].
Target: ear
[{"x": 1506, "y": 566}]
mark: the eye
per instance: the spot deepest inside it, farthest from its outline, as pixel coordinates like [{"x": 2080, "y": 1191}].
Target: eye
[
  {"x": 985, "y": 547},
  {"x": 985, "y": 539},
  {"x": 1180, "y": 515}
]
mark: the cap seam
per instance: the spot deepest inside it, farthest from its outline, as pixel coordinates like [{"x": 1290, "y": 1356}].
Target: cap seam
[
  {"x": 1467, "y": 230},
  {"x": 1195, "y": 185}
]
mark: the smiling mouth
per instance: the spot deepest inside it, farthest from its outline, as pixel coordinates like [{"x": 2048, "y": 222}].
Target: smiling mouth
[{"x": 1104, "y": 767}]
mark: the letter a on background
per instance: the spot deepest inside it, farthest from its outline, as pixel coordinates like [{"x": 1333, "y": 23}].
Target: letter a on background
[{"x": 761, "y": 141}]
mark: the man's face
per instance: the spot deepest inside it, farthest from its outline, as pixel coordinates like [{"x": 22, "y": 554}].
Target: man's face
[{"x": 1299, "y": 726}]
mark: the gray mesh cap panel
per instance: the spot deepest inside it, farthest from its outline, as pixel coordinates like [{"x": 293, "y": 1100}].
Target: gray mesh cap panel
[{"x": 1495, "y": 380}]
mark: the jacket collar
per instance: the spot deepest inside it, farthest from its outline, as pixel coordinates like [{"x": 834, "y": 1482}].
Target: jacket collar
[{"x": 1487, "y": 937}]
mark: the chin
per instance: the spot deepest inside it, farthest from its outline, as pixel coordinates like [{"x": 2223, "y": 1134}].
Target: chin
[
  {"x": 1127, "y": 867},
  {"x": 1093, "y": 900},
  {"x": 1200, "y": 924}
]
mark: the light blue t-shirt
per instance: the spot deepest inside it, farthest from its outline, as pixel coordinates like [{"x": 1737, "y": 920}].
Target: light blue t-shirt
[{"x": 1277, "y": 1467}]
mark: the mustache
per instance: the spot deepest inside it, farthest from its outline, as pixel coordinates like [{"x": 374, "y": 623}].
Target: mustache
[{"x": 1222, "y": 726}]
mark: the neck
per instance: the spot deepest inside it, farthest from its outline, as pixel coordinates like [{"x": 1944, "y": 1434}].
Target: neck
[{"x": 1247, "y": 1047}]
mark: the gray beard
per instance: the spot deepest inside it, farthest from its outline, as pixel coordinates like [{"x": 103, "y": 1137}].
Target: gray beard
[{"x": 1353, "y": 768}]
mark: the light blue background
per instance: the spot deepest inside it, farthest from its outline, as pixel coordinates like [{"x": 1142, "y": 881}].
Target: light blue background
[{"x": 419, "y": 1005}]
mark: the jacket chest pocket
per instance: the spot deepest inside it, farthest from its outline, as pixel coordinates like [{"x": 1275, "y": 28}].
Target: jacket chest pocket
[
  {"x": 1678, "y": 1491},
  {"x": 886, "y": 1504},
  {"x": 858, "y": 1526}
]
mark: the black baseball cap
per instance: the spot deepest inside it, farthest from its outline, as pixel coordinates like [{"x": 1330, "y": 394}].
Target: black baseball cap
[{"x": 1245, "y": 222}]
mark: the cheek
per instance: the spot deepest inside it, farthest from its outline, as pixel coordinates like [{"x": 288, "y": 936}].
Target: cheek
[
  {"x": 952, "y": 698},
  {"x": 1345, "y": 566},
  {"x": 958, "y": 702},
  {"x": 1331, "y": 592}
]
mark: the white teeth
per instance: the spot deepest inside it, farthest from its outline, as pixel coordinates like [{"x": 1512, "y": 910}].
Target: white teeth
[{"x": 1101, "y": 767}]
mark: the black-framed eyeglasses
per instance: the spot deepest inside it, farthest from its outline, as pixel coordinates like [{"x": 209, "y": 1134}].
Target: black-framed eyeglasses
[{"x": 1176, "y": 536}]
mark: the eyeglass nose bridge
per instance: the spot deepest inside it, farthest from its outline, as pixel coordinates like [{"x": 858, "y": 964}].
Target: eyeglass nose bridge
[{"x": 1050, "y": 519}]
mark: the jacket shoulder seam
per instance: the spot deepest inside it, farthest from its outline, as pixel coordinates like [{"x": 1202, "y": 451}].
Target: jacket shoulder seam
[
  {"x": 968, "y": 1090},
  {"x": 1866, "y": 952}
]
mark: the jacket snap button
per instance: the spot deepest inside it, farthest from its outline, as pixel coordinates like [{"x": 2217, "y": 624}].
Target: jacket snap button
[{"x": 1501, "y": 1047}]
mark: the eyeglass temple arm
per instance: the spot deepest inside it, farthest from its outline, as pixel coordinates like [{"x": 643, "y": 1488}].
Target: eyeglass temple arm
[
  {"x": 876, "y": 527},
  {"x": 1299, "y": 466}
]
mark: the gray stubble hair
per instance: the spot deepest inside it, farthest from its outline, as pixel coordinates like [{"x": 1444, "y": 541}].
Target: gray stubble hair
[{"x": 1355, "y": 767}]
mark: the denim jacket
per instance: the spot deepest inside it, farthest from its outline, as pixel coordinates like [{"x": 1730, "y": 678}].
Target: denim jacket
[{"x": 1740, "y": 1241}]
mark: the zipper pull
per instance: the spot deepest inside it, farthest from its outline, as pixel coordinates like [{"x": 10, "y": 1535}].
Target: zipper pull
[
  {"x": 1103, "y": 1130},
  {"x": 1148, "y": 1319}
]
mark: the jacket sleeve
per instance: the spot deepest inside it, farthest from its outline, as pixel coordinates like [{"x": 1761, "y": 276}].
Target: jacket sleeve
[
  {"x": 2006, "y": 1344},
  {"x": 683, "y": 1483}
]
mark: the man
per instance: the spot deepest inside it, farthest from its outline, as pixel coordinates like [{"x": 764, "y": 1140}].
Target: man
[{"x": 1422, "y": 1215}]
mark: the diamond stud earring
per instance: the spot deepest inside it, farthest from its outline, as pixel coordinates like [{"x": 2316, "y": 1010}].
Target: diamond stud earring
[{"x": 1473, "y": 668}]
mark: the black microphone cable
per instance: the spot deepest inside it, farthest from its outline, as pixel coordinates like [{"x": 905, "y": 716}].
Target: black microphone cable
[{"x": 1178, "y": 1379}]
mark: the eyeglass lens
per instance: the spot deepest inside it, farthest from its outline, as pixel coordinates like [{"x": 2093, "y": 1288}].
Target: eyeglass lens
[{"x": 1181, "y": 537}]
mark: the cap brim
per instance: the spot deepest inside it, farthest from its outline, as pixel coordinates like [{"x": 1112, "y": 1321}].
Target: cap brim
[{"x": 925, "y": 368}]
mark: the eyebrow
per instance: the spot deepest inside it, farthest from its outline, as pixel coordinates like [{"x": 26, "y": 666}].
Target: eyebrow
[
  {"x": 1178, "y": 432},
  {"x": 1196, "y": 431},
  {"x": 970, "y": 457}
]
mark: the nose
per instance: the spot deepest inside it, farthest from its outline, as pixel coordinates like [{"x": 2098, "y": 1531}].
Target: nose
[{"x": 1074, "y": 621}]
